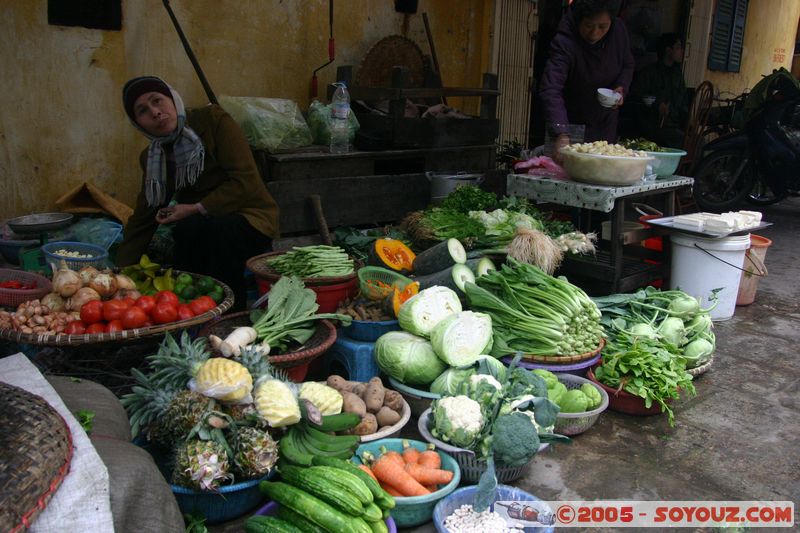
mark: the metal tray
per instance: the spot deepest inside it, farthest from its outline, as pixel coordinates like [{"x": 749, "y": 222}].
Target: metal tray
[
  {"x": 667, "y": 223},
  {"x": 39, "y": 222}
]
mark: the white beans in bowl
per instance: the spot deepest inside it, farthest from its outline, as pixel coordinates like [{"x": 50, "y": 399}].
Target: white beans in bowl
[{"x": 604, "y": 148}]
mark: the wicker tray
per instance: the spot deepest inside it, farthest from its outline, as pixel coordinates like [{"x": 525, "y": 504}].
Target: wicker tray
[
  {"x": 259, "y": 266},
  {"x": 62, "y": 339},
  {"x": 700, "y": 370},
  {"x": 564, "y": 359},
  {"x": 35, "y": 454},
  {"x": 323, "y": 338}
]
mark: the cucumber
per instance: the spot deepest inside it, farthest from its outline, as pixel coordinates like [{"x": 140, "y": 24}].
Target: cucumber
[
  {"x": 284, "y": 513},
  {"x": 380, "y": 496},
  {"x": 453, "y": 278},
  {"x": 340, "y": 422},
  {"x": 347, "y": 481},
  {"x": 269, "y": 524},
  {"x": 437, "y": 258},
  {"x": 484, "y": 266},
  {"x": 312, "y": 483},
  {"x": 372, "y": 513},
  {"x": 379, "y": 527},
  {"x": 309, "y": 506}
]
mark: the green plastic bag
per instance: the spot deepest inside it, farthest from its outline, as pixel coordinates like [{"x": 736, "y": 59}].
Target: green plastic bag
[
  {"x": 269, "y": 124},
  {"x": 319, "y": 121}
]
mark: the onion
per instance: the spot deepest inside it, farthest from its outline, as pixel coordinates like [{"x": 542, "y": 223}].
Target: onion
[
  {"x": 87, "y": 274},
  {"x": 127, "y": 293},
  {"x": 124, "y": 282},
  {"x": 85, "y": 294},
  {"x": 66, "y": 282},
  {"x": 105, "y": 284},
  {"x": 54, "y": 301}
]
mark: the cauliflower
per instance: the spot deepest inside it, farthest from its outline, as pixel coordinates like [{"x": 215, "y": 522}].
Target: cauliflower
[
  {"x": 475, "y": 379},
  {"x": 458, "y": 420}
]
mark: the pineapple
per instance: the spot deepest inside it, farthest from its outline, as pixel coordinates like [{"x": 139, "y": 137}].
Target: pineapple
[
  {"x": 146, "y": 403},
  {"x": 201, "y": 465},
  {"x": 183, "y": 413},
  {"x": 255, "y": 453},
  {"x": 276, "y": 403},
  {"x": 224, "y": 380}
]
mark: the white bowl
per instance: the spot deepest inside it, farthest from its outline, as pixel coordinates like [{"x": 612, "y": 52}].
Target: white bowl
[
  {"x": 391, "y": 431},
  {"x": 608, "y": 170},
  {"x": 607, "y": 97}
]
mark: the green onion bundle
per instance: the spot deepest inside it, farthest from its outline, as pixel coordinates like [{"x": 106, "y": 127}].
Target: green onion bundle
[
  {"x": 313, "y": 262},
  {"x": 535, "y": 313}
]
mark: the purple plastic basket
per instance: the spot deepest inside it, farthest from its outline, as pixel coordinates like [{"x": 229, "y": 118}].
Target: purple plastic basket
[
  {"x": 576, "y": 369},
  {"x": 272, "y": 507}
]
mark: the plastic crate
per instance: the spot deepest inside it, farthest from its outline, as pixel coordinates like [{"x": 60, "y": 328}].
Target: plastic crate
[
  {"x": 98, "y": 254},
  {"x": 356, "y": 357},
  {"x": 367, "y": 276},
  {"x": 577, "y": 423}
]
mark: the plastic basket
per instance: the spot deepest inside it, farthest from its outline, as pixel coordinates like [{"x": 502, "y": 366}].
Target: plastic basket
[
  {"x": 229, "y": 502},
  {"x": 368, "y": 276},
  {"x": 366, "y": 331},
  {"x": 98, "y": 254},
  {"x": 471, "y": 466},
  {"x": 577, "y": 423},
  {"x": 14, "y": 297},
  {"x": 418, "y": 399},
  {"x": 414, "y": 510},
  {"x": 504, "y": 493}
]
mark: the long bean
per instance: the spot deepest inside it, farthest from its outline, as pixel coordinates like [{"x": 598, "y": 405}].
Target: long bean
[{"x": 313, "y": 261}]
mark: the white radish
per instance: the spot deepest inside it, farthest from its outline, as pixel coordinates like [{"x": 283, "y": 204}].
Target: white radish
[{"x": 233, "y": 343}]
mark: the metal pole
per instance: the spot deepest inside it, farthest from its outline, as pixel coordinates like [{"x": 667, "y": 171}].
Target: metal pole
[{"x": 210, "y": 93}]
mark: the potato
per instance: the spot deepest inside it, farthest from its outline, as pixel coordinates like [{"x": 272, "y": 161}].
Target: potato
[
  {"x": 387, "y": 417},
  {"x": 353, "y": 404},
  {"x": 339, "y": 383},
  {"x": 358, "y": 389},
  {"x": 374, "y": 394},
  {"x": 393, "y": 400},
  {"x": 368, "y": 426}
]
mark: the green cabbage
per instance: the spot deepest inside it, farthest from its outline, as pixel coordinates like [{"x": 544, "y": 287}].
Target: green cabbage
[
  {"x": 420, "y": 313},
  {"x": 460, "y": 338},
  {"x": 448, "y": 382},
  {"x": 490, "y": 366},
  {"x": 407, "y": 358}
]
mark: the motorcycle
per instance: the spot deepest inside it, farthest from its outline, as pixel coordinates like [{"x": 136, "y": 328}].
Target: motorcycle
[{"x": 761, "y": 162}]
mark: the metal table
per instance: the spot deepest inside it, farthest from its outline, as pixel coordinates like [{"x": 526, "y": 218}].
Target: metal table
[{"x": 617, "y": 273}]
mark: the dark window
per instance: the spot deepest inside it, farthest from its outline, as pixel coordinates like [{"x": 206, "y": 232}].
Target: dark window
[
  {"x": 727, "y": 35},
  {"x": 94, "y": 14}
]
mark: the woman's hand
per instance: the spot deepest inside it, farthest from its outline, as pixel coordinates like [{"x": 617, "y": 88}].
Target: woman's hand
[
  {"x": 619, "y": 90},
  {"x": 561, "y": 141},
  {"x": 174, "y": 213}
]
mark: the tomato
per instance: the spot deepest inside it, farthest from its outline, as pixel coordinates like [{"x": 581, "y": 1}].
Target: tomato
[
  {"x": 164, "y": 312},
  {"x": 114, "y": 326},
  {"x": 92, "y": 312},
  {"x": 129, "y": 302},
  {"x": 133, "y": 317},
  {"x": 206, "y": 303},
  {"x": 147, "y": 323},
  {"x": 113, "y": 309},
  {"x": 97, "y": 327},
  {"x": 185, "y": 312},
  {"x": 197, "y": 306},
  {"x": 167, "y": 297},
  {"x": 76, "y": 327},
  {"x": 146, "y": 304}
]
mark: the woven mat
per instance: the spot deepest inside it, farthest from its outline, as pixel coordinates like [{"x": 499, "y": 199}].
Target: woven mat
[{"x": 36, "y": 450}]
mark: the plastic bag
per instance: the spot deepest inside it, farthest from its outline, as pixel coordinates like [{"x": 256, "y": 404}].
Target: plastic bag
[
  {"x": 268, "y": 123},
  {"x": 319, "y": 121}
]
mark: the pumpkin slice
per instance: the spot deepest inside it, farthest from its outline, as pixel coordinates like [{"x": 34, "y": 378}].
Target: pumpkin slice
[
  {"x": 392, "y": 254},
  {"x": 399, "y": 297}
]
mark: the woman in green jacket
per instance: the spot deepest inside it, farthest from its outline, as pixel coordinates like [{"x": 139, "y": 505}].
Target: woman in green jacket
[{"x": 200, "y": 176}]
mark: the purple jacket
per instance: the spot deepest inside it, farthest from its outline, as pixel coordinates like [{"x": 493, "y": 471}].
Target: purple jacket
[{"x": 575, "y": 70}]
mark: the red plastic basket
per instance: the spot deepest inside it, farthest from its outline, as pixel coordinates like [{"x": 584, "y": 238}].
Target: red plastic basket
[{"x": 14, "y": 297}]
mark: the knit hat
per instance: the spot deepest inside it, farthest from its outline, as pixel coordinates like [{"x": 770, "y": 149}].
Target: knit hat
[{"x": 139, "y": 86}]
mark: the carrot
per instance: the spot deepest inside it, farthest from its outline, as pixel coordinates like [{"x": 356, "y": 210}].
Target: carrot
[
  {"x": 391, "y": 490},
  {"x": 366, "y": 469},
  {"x": 388, "y": 470},
  {"x": 392, "y": 455},
  {"x": 432, "y": 488},
  {"x": 410, "y": 454},
  {"x": 429, "y": 476},
  {"x": 430, "y": 458}
]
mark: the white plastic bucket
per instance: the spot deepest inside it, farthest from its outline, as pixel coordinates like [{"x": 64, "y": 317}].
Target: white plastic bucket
[{"x": 700, "y": 265}]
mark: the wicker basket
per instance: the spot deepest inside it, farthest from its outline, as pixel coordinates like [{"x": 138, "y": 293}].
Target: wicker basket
[
  {"x": 471, "y": 466},
  {"x": 37, "y": 451},
  {"x": 577, "y": 423},
  {"x": 565, "y": 359},
  {"x": 14, "y": 297},
  {"x": 367, "y": 276},
  {"x": 259, "y": 266},
  {"x": 62, "y": 339},
  {"x": 323, "y": 338},
  {"x": 702, "y": 369}
]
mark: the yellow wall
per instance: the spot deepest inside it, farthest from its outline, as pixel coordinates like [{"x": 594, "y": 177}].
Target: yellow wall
[
  {"x": 769, "y": 37},
  {"x": 61, "y": 120}
]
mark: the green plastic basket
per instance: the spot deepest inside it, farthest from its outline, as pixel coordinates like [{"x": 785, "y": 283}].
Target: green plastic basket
[{"x": 368, "y": 276}]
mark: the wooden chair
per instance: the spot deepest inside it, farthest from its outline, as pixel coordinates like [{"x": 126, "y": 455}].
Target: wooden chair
[{"x": 698, "y": 118}]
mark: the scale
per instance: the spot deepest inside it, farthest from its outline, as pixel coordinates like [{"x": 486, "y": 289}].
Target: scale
[{"x": 32, "y": 258}]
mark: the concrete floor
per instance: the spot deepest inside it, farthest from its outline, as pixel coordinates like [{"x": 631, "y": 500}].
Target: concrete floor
[{"x": 738, "y": 439}]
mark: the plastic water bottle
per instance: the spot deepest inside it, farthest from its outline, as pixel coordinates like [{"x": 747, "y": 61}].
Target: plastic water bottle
[{"x": 340, "y": 118}]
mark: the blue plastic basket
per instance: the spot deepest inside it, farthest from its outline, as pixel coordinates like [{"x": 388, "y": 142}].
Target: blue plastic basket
[
  {"x": 414, "y": 510},
  {"x": 466, "y": 496},
  {"x": 98, "y": 254},
  {"x": 230, "y": 502},
  {"x": 361, "y": 330}
]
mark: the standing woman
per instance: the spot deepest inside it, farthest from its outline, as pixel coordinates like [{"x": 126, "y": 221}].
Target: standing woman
[
  {"x": 223, "y": 213},
  {"x": 590, "y": 51}
]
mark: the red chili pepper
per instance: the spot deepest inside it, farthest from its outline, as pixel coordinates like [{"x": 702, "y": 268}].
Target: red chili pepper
[{"x": 11, "y": 284}]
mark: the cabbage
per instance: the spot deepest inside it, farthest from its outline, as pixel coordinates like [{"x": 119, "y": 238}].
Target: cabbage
[
  {"x": 491, "y": 367},
  {"x": 420, "y": 313},
  {"x": 407, "y": 358},
  {"x": 448, "y": 382},
  {"x": 460, "y": 338}
]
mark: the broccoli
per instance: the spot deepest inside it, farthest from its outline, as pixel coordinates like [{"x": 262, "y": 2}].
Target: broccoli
[
  {"x": 524, "y": 381},
  {"x": 515, "y": 439}
]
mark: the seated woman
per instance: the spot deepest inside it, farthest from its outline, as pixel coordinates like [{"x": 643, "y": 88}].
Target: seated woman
[
  {"x": 200, "y": 175},
  {"x": 659, "y": 93},
  {"x": 589, "y": 52}
]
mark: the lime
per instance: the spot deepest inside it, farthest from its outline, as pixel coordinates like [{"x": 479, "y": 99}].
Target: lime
[
  {"x": 206, "y": 285},
  {"x": 217, "y": 294},
  {"x": 184, "y": 279},
  {"x": 188, "y": 293}
]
